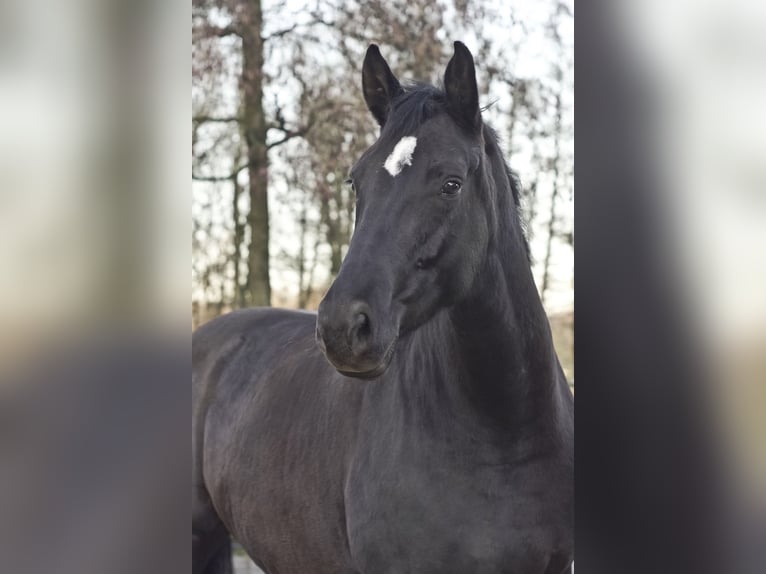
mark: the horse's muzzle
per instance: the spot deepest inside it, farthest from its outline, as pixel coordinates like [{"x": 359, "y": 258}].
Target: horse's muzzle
[{"x": 355, "y": 341}]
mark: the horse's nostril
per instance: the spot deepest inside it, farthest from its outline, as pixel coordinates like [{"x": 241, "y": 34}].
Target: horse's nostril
[
  {"x": 362, "y": 324},
  {"x": 360, "y": 330},
  {"x": 361, "y": 320}
]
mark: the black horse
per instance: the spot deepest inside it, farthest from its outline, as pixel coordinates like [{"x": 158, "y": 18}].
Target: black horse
[{"x": 420, "y": 422}]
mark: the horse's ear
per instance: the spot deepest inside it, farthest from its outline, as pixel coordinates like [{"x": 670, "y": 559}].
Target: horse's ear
[
  {"x": 379, "y": 84},
  {"x": 461, "y": 88}
]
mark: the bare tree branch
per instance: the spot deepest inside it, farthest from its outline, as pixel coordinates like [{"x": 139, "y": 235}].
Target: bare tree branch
[
  {"x": 221, "y": 31},
  {"x": 288, "y": 135},
  {"x": 214, "y": 120},
  {"x": 219, "y": 178},
  {"x": 280, "y": 33}
]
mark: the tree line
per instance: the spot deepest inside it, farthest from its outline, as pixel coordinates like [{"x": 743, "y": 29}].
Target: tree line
[{"x": 279, "y": 118}]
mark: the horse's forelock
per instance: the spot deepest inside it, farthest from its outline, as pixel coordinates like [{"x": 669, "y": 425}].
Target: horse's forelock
[{"x": 416, "y": 105}]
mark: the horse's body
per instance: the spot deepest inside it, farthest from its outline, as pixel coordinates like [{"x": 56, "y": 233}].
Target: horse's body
[{"x": 456, "y": 457}]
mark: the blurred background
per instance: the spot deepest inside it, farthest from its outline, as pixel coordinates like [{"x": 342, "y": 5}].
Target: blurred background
[
  {"x": 94, "y": 240},
  {"x": 278, "y": 120}
]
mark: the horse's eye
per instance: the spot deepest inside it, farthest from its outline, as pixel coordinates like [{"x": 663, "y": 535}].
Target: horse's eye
[{"x": 451, "y": 187}]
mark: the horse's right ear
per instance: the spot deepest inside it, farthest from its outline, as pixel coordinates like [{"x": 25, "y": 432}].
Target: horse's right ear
[
  {"x": 461, "y": 88},
  {"x": 379, "y": 84}
]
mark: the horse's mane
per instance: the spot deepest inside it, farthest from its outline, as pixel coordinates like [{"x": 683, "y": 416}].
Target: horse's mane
[{"x": 421, "y": 102}]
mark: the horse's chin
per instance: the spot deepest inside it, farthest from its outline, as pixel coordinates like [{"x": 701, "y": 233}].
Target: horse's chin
[
  {"x": 365, "y": 375},
  {"x": 371, "y": 373}
]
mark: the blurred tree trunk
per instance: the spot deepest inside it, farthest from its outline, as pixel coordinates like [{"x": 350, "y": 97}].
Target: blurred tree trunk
[
  {"x": 336, "y": 235},
  {"x": 254, "y": 128},
  {"x": 307, "y": 258},
  {"x": 240, "y": 299},
  {"x": 558, "y": 164},
  {"x": 518, "y": 94},
  {"x": 555, "y": 164}
]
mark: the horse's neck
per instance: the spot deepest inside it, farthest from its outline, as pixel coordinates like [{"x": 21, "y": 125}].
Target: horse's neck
[
  {"x": 498, "y": 361},
  {"x": 505, "y": 340}
]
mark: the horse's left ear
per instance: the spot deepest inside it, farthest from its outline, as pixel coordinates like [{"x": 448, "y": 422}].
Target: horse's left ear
[{"x": 461, "y": 88}]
